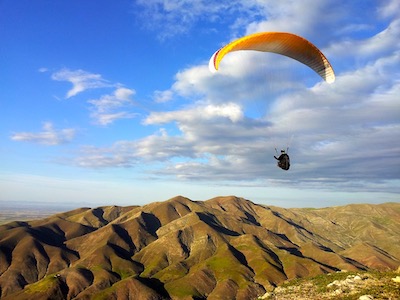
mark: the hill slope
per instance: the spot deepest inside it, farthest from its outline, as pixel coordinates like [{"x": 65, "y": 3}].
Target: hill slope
[{"x": 222, "y": 248}]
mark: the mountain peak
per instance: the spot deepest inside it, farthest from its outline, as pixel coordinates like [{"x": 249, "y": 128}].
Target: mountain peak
[{"x": 224, "y": 247}]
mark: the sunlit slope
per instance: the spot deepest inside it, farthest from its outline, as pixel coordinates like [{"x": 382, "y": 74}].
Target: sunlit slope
[{"x": 222, "y": 248}]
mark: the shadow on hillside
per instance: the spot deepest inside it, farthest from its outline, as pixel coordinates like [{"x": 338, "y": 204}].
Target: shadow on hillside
[
  {"x": 98, "y": 213},
  {"x": 210, "y": 220},
  {"x": 152, "y": 223},
  {"x": 156, "y": 285}
]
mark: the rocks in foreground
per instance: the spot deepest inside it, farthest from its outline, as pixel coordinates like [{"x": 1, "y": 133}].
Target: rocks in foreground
[{"x": 341, "y": 285}]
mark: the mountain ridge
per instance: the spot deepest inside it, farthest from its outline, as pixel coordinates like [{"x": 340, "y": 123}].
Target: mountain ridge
[{"x": 222, "y": 248}]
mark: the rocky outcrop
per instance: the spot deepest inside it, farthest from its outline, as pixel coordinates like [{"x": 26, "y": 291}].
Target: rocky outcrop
[{"x": 222, "y": 248}]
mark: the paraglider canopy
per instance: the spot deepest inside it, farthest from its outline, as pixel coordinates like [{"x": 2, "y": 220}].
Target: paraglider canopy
[{"x": 283, "y": 43}]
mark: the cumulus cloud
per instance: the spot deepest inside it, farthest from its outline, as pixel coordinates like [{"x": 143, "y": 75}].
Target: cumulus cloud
[
  {"x": 118, "y": 98},
  {"x": 389, "y": 8},
  {"x": 231, "y": 111},
  {"x": 81, "y": 80},
  {"x": 171, "y": 18},
  {"x": 105, "y": 158},
  {"x": 43, "y": 70},
  {"x": 382, "y": 44},
  {"x": 107, "y": 108},
  {"x": 303, "y": 18},
  {"x": 48, "y": 136},
  {"x": 342, "y": 135},
  {"x": 109, "y": 118},
  {"x": 163, "y": 96}
]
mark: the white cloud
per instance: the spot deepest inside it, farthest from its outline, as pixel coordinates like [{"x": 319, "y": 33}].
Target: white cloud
[
  {"x": 43, "y": 70},
  {"x": 362, "y": 51},
  {"x": 106, "y": 109},
  {"x": 389, "y": 8},
  {"x": 163, "y": 96},
  {"x": 294, "y": 16},
  {"x": 48, "y": 136},
  {"x": 109, "y": 118},
  {"x": 81, "y": 80},
  {"x": 231, "y": 111},
  {"x": 343, "y": 135},
  {"x": 124, "y": 94},
  {"x": 109, "y": 107},
  {"x": 120, "y": 97},
  {"x": 169, "y": 18}
]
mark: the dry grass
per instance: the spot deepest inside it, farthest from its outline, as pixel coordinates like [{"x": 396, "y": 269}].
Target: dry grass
[
  {"x": 340, "y": 286},
  {"x": 223, "y": 247}
]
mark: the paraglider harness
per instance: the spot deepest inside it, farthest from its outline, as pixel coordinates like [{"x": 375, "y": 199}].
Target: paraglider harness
[{"x": 283, "y": 160}]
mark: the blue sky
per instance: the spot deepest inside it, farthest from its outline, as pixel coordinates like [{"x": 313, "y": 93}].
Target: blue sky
[{"x": 112, "y": 102}]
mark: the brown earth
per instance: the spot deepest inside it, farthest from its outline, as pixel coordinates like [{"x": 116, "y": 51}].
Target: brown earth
[
  {"x": 340, "y": 286},
  {"x": 222, "y": 248}
]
